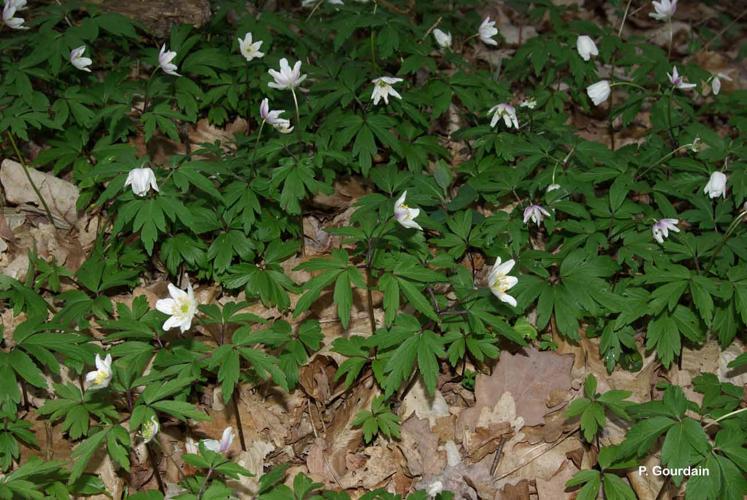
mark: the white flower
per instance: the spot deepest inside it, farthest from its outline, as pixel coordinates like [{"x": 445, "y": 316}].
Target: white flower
[
  {"x": 383, "y": 89},
  {"x": 664, "y": 10},
  {"x": 530, "y": 103},
  {"x": 164, "y": 61},
  {"x": 716, "y": 83},
  {"x": 599, "y": 92},
  {"x": 487, "y": 31},
  {"x": 181, "y": 308},
  {"x": 250, "y": 50},
  {"x": 435, "y": 488},
  {"x": 149, "y": 429},
  {"x": 443, "y": 38},
  {"x": 716, "y": 185},
  {"x": 77, "y": 59},
  {"x": 678, "y": 81},
  {"x": 552, "y": 187},
  {"x": 406, "y": 215},
  {"x": 141, "y": 180},
  {"x": 661, "y": 229},
  {"x": 499, "y": 281},
  {"x": 223, "y": 445},
  {"x": 535, "y": 213},
  {"x": 586, "y": 47},
  {"x": 505, "y": 111},
  {"x": 286, "y": 78},
  {"x": 102, "y": 375},
  {"x": 9, "y": 11},
  {"x": 273, "y": 117}
]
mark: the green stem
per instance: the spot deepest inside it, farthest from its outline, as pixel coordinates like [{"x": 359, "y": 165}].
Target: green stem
[
  {"x": 727, "y": 235},
  {"x": 298, "y": 115},
  {"x": 664, "y": 158},
  {"x": 28, "y": 176}
]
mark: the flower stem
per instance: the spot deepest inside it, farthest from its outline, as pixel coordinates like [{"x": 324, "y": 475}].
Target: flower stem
[
  {"x": 204, "y": 484},
  {"x": 28, "y": 177},
  {"x": 154, "y": 465},
  {"x": 725, "y": 239},
  {"x": 256, "y": 143},
  {"x": 298, "y": 115},
  {"x": 239, "y": 426}
]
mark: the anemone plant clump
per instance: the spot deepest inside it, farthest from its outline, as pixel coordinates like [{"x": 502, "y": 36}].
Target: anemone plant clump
[{"x": 260, "y": 283}]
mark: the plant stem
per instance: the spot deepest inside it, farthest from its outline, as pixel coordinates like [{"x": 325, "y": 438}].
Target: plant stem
[
  {"x": 28, "y": 176},
  {"x": 204, "y": 484},
  {"x": 156, "y": 472},
  {"x": 239, "y": 426},
  {"x": 298, "y": 115},
  {"x": 727, "y": 235}
]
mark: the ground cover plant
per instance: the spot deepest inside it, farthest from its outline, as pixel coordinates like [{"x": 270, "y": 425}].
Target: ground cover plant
[{"x": 373, "y": 249}]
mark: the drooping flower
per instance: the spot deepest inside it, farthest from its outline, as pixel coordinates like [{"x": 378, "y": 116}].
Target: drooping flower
[
  {"x": 500, "y": 282},
  {"x": 77, "y": 59},
  {"x": 552, "y": 187},
  {"x": 164, "y": 61},
  {"x": 223, "y": 445},
  {"x": 599, "y": 92},
  {"x": 586, "y": 47},
  {"x": 150, "y": 429},
  {"x": 406, "y": 215},
  {"x": 661, "y": 229},
  {"x": 716, "y": 185},
  {"x": 383, "y": 89},
  {"x": 102, "y": 375},
  {"x": 530, "y": 103},
  {"x": 678, "y": 81},
  {"x": 664, "y": 10},
  {"x": 487, "y": 31},
  {"x": 443, "y": 38},
  {"x": 506, "y": 112},
  {"x": 9, "y": 11},
  {"x": 716, "y": 82},
  {"x": 142, "y": 180},
  {"x": 283, "y": 125},
  {"x": 250, "y": 50},
  {"x": 535, "y": 213},
  {"x": 181, "y": 307},
  {"x": 286, "y": 78}
]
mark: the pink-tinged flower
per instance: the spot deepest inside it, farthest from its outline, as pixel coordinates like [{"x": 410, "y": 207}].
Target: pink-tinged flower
[
  {"x": 535, "y": 213},
  {"x": 661, "y": 229},
  {"x": 406, "y": 215},
  {"x": 487, "y": 31},
  {"x": 383, "y": 89},
  {"x": 181, "y": 306},
  {"x": 664, "y": 10},
  {"x": 506, "y": 112},
  {"x": 678, "y": 81},
  {"x": 77, "y": 59},
  {"x": 223, "y": 445},
  {"x": 283, "y": 125},
  {"x": 164, "y": 61},
  {"x": 716, "y": 185},
  {"x": 286, "y": 78},
  {"x": 500, "y": 282},
  {"x": 599, "y": 92}
]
